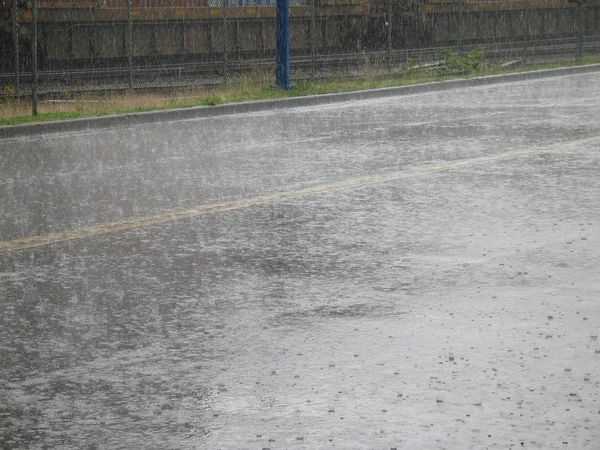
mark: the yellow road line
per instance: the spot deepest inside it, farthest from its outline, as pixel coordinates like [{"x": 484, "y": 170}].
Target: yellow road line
[{"x": 138, "y": 222}]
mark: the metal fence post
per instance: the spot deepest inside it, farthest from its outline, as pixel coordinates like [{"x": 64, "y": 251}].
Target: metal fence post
[
  {"x": 389, "y": 31},
  {"x": 526, "y": 27},
  {"x": 313, "y": 50},
  {"x": 460, "y": 27},
  {"x": 34, "y": 68},
  {"x": 226, "y": 37},
  {"x": 129, "y": 44},
  {"x": 282, "y": 68},
  {"x": 579, "y": 48},
  {"x": 15, "y": 29}
]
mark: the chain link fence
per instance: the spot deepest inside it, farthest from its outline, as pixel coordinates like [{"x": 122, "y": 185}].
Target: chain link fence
[{"x": 113, "y": 45}]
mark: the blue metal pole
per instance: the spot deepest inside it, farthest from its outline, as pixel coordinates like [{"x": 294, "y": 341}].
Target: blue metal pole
[
  {"x": 282, "y": 69},
  {"x": 34, "y": 59}
]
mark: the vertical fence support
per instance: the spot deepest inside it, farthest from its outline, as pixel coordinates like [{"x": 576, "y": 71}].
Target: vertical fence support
[
  {"x": 15, "y": 32},
  {"x": 579, "y": 48},
  {"x": 282, "y": 68},
  {"x": 460, "y": 27},
  {"x": 313, "y": 49},
  {"x": 526, "y": 29},
  {"x": 389, "y": 32},
  {"x": 226, "y": 40},
  {"x": 130, "y": 44},
  {"x": 34, "y": 59}
]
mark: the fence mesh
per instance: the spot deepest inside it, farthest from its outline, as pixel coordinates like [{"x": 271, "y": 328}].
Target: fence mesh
[{"x": 113, "y": 45}]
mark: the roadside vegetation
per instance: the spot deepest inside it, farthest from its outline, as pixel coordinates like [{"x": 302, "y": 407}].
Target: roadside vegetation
[{"x": 257, "y": 86}]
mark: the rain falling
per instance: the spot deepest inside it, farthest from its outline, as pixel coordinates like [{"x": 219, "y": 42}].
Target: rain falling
[{"x": 403, "y": 268}]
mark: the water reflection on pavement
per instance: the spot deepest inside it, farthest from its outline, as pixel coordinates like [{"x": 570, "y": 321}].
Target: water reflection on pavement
[{"x": 446, "y": 309}]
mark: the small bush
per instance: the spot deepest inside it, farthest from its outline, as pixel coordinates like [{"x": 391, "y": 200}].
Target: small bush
[
  {"x": 214, "y": 100},
  {"x": 456, "y": 64}
]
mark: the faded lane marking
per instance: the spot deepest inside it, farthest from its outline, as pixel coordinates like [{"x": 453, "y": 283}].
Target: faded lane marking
[{"x": 137, "y": 222}]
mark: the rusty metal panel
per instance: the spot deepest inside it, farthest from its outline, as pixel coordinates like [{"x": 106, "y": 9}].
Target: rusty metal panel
[
  {"x": 143, "y": 40},
  {"x": 58, "y": 43},
  {"x": 197, "y": 38},
  {"x": 109, "y": 41},
  {"x": 249, "y": 36},
  {"x": 82, "y": 42},
  {"x": 151, "y": 3},
  {"x": 300, "y": 34},
  {"x": 169, "y": 38}
]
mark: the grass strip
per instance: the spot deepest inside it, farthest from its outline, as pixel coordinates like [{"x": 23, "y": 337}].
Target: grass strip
[{"x": 253, "y": 87}]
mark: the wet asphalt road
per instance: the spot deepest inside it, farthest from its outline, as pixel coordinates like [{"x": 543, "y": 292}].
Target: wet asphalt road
[{"x": 414, "y": 272}]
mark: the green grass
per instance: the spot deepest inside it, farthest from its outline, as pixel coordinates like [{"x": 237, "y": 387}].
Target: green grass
[
  {"x": 61, "y": 115},
  {"x": 253, "y": 88}
]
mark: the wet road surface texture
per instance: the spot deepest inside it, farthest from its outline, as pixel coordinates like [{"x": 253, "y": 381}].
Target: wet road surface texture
[{"x": 416, "y": 272}]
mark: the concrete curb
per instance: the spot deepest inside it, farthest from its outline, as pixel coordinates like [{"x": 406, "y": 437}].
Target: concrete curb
[{"x": 125, "y": 120}]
